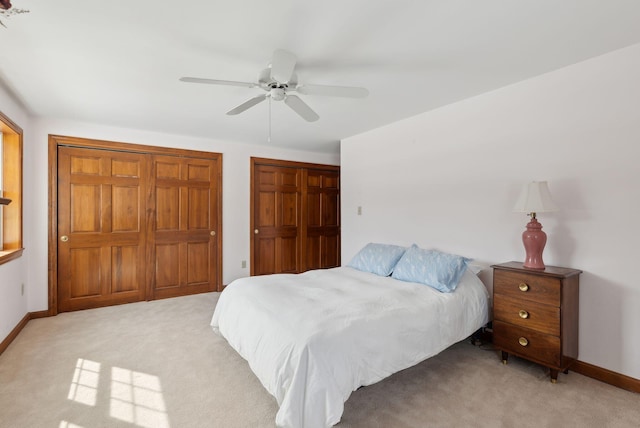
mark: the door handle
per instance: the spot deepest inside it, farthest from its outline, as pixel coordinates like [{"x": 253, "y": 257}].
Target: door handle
[
  {"x": 64, "y": 238},
  {"x": 256, "y": 231},
  {"x": 212, "y": 233}
]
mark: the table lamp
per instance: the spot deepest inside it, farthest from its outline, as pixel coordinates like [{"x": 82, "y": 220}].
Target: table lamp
[{"x": 534, "y": 198}]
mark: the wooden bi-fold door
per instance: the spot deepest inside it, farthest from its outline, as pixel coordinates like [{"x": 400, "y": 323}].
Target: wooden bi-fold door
[
  {"x": 277, "y": 220},
  {"x": 183, "y": 237},
  {"x": 132, "y": 223},
  {"x": 101, "y": 228},
  {"x": 322, "y": 227},
  {"x": 295, "y": 216}
]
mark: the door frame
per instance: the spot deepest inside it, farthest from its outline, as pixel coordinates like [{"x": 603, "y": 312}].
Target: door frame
[
  {"x": 56, "y": 141},
  {"x": 255, "y": 161}
]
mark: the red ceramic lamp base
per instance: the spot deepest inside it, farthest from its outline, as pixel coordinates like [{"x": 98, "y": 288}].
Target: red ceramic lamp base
[{"x": 534, "y": 240}]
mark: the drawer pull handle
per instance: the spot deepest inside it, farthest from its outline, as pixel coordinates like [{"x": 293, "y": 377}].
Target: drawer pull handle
[
  {"x": 523, "y": 314},
  {"x": 523, "y": 341},
  {"x": 523, "y": 287}
]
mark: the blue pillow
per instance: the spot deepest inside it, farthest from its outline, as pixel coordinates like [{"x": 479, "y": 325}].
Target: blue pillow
[
  {"x": 377, "y": 258},
  {"x": 439, "y": 270}
]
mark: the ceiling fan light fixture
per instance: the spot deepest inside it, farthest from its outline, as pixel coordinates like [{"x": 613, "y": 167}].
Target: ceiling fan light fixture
[{"x": 277, "y": 94}]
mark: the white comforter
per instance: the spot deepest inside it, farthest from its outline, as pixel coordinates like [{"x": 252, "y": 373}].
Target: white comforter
[{"x": 315, "y": 337}]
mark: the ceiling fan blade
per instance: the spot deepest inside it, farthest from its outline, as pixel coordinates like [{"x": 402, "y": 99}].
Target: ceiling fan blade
[
  {"x": 217, "y": 82},
  {"x": 282, "y": 65},
  {"x": 247, "y": 104},
  {"x": 333, "y": 91},
  {"x": 301, "y": 108}
]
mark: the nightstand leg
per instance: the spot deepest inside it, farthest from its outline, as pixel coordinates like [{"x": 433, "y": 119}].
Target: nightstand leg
[
  {"x": 554, "y": 376},
  {"x": 505, "y": 357}
]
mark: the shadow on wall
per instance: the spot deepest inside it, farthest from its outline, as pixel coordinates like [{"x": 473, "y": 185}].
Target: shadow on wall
[
  {"x": 561, "y": 242},
  {"x": 603, "y": 335}
]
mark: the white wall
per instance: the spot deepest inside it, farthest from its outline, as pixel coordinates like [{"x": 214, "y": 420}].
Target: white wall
[
  {"x": 13, "y": 304},
  {"x": 449, "y": 178},
  {"x": 236, "y": 188}
]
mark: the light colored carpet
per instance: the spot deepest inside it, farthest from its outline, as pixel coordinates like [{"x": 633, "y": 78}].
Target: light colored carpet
[{"x": 158, "y": 364}]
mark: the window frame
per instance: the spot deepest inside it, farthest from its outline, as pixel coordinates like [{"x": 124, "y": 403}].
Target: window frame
[{"x": 12, "y": 166}]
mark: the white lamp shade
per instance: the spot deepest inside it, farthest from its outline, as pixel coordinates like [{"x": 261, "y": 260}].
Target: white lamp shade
[{"x": 535, "y": 198}]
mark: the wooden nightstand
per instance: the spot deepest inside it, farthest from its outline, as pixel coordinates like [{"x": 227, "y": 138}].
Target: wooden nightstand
[{"x": 535, "y": 314}]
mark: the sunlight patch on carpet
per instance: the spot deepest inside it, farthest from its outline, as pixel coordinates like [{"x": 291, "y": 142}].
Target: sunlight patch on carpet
[
  {"x": 137, "y": 398},
  {"x": 134, "y": 397},
  {"x": 65, "y": 424},
  {"x": 84, "y": 384}
]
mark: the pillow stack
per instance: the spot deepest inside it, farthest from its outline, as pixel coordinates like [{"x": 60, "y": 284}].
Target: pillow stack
[{"x": 441, "y": 271}]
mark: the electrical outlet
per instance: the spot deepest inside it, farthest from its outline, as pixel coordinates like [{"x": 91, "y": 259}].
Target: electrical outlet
[
  {"x": 359, "y": 210},
  {"x": 244, "y": 264}
]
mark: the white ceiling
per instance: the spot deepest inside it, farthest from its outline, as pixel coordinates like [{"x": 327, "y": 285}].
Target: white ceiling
[{"x": 118, "y": 63}]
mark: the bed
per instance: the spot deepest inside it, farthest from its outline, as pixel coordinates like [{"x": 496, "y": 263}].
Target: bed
[{"x": 314, "y": 338}]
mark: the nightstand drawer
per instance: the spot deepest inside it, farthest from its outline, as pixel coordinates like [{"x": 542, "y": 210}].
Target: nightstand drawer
[
  {"x": 526, "y": 343},
  {"x": 527, "y": 286},
  {"x": 528, "y": 314}
]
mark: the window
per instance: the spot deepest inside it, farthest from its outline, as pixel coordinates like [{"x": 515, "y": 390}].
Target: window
[{"x": 10, "y": 189}]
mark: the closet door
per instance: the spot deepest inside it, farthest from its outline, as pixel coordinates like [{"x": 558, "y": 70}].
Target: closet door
[
  {"x": 183, "y": 232},
  {"x": 131, "y": 222},
  {"x": 322, "y": 214},
  {"x": 101, "y": 238},
  {"x": 276, "y": 220},
  {"x": 295, "y": 216}
]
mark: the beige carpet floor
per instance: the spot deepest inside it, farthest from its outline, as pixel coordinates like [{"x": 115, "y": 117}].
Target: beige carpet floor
[{"x": 158, "y": 364}]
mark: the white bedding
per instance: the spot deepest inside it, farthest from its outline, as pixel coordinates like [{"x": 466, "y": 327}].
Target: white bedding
[{"x": 315, "y": 337}]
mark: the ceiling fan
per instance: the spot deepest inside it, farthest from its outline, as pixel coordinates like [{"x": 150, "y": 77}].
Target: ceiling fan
[{"x": 279, "y": 80}]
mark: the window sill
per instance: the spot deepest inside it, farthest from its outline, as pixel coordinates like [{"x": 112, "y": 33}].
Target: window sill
[{"x": 9, "y": 255}]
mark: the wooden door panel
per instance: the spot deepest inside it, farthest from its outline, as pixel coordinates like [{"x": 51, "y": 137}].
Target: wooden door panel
[
  {"x": 314, "y": 213},
  {"x": 126, "y": 168},
  {"x": 331, "y": 251},
  {"x": 266, "y": 177},
  {"x": 313, "y": 253},
  {"x": 198, "y": 260},
  {"x": 167, "y": 266},
  {"x": 289, "y": 177},
  {"x": 331, "y": 181},
  {"x": 267, "y": 209},
  {"x": 86, "y": 265},
  {"x": 266, "y": 264},
  {"x": 168, "y": 169},
  {"x": 287, "y": 254},
  {"x": 85, "y": 201},
  {"x": 289, "y": 203},
  {"x": 330, "y": 210},
  {"x": 198, "y": 209},
  {"x": 167, "y": 208},
  {"x": 184, "y": 235},
  {"x": 199, "y": 172},
  {"x": 125, "y": 276},
  {"x": 125, "y": 208},
  {"x": 84, "y": 163},
  {"x": 101, "y": 244}
]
